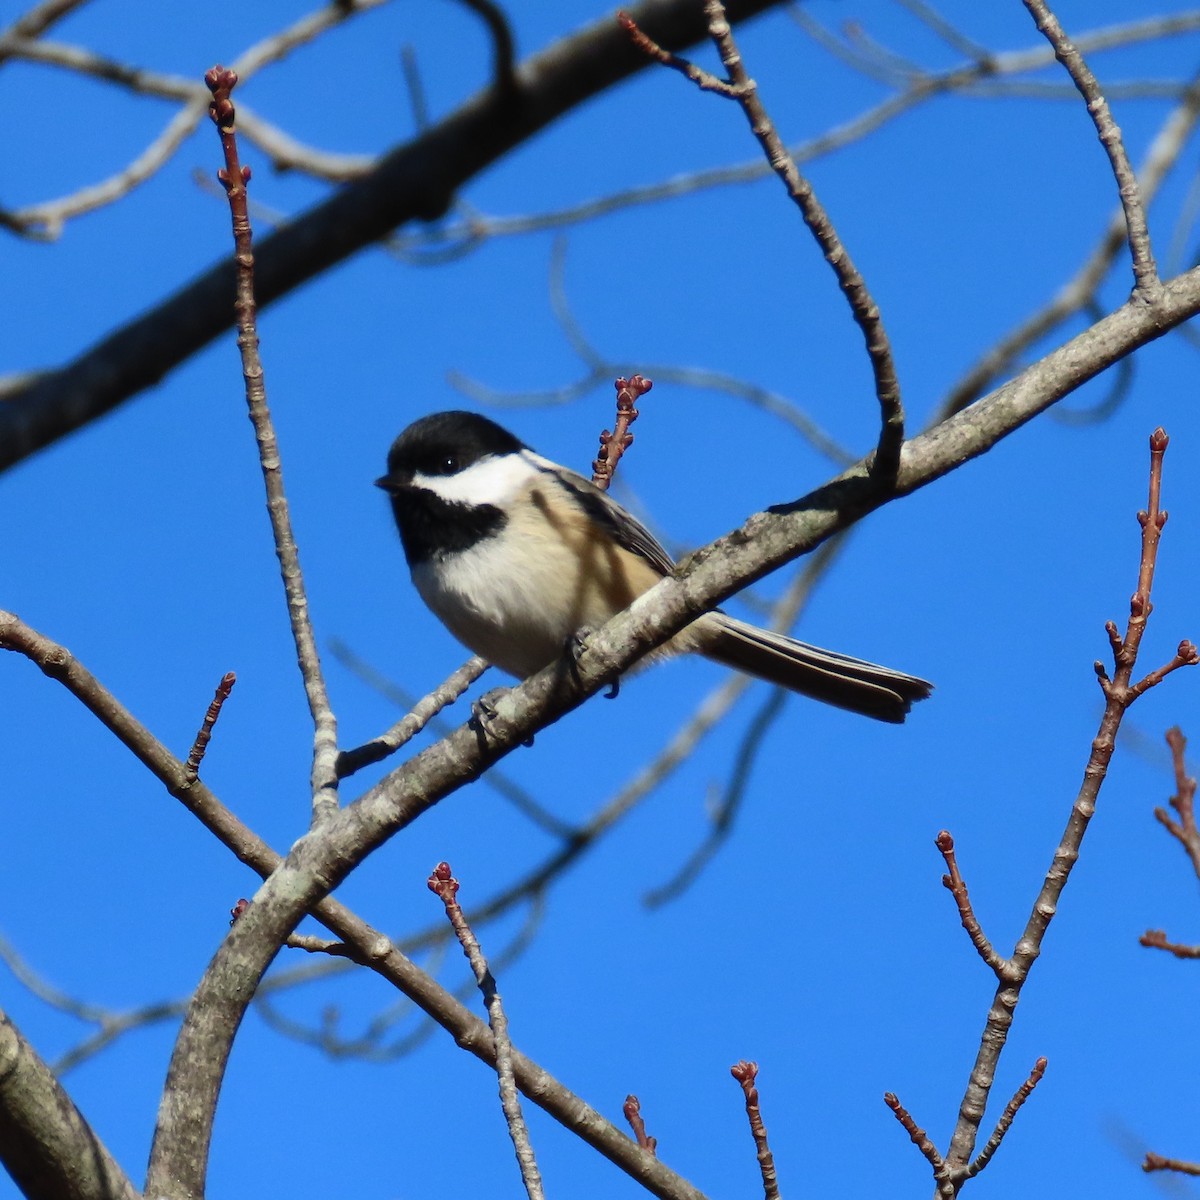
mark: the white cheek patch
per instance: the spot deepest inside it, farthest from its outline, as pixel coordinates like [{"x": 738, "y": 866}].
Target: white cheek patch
[{"x": 491, "y": 480}]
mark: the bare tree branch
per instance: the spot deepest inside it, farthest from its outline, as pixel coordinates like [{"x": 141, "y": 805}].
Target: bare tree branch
[
  {"x": 769, "y": 539},
  {"x": 1013, "y": 973},
  {"x": 409, "y": 725},
  {"x": 1145, "y": 273},
  {"x": 284, "y": 151},
  {"x": 372, "y": 946},
  {"x": 978, "y": 79},
  {"x": 746, "y": 1073},
  {"x": 863, "y": 308},
  {"x": 45, "y": 220},
  {"x": 444, "y": 885},
  {"x": 416, "y": 181},
  {"x": 46, "y": 1145},
  {"x": 235, "y": 179},
  {"x": 36, "y": 21},
  {"x": 1080, "y": 291},
  {"x": 1183, "y": 802}
]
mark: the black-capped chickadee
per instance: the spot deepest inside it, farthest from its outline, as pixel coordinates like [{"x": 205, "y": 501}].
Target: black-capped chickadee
[{"x": 515, "y": 554}]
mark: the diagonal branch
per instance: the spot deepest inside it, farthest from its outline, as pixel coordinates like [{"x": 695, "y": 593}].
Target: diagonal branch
[
  {"x": 854, "y": 287},
  {"x": 319, "y": 862},
  {"x": 36, "y": 21},
  {"x": 415, "y": 181},
  {"x": 46, "y": 1145},
  {"x": 371, "y": 946},
  {"x": 1080, "y": 291},
  {"x": 744, "y": 90},
  {"x": 1145, "y": 273}
]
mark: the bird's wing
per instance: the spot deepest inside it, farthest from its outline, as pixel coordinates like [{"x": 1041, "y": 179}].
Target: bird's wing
[{"x": 625, "y": 528}]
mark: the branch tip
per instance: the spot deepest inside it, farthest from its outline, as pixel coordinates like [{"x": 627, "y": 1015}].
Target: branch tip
[
  {"x": 614, "y": 444},
  {"x": 191, "y": 768},
  {"x": 632, "y": 1109},
  {"x": 1158, "y": 1162},
  {"x": 441, "y": 881},
  {"x": 917, "y": 1135},
  {"x": 746, "y": 1073}
]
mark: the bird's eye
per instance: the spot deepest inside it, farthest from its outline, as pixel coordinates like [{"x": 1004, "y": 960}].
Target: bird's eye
[{"x": 448, "y": 464}]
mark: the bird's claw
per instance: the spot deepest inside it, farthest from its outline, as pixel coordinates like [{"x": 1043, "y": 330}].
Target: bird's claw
[
  {"x": 576, "y": 645},
  {"x": 483, "y": 712}
]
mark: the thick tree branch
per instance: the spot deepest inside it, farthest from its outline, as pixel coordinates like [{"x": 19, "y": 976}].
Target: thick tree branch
[
  {"x": 372, "y": 947},
  {"x": 416, "y": 181},
  {"x": 36, "y": 21},
  {"x": 319, "y": 862},
  {"x": 45, "y": 1144}
]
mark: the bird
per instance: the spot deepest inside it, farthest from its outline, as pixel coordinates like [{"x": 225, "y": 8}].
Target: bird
[{"x": 518, "y": 556}]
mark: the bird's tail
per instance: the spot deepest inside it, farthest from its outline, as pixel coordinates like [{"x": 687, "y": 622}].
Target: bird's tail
[{"x": 836, "y": 679}]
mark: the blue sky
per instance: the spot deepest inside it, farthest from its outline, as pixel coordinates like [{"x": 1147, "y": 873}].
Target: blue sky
[{"x": 819, "y": 941}]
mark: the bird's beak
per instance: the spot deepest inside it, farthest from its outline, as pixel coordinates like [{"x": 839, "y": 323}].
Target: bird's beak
[{"x": 389, "y": 483}]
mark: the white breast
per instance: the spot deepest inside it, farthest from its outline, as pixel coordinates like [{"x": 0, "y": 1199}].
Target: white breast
[{"x": 517, "y": 598}]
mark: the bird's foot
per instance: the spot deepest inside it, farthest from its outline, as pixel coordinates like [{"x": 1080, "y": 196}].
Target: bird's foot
[
  {"x": 483, "y": 712},
  {"x": 576, "y": 645}
]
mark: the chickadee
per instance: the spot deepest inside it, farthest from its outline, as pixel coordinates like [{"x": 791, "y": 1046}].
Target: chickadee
[{"x": 515, "y": 554}]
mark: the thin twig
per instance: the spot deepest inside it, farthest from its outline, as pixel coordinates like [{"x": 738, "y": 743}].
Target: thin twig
[
  {"x": 235, "y": 177},
  {"x": 36, "y": 21},
  {"x": 200, "y": 745},
  {"x": 504, "y": 66},
  {"x": 496, "y": 779},
  {"x": 924, "y": 1143},
  {"x": 1145, "y": 272},
  {"x": 773, "y": 403},
  {"x": 45, "y": 221},
  {"x": 862, "y": 305},
  {"x": 846, "y": 51},
  {"x": 285, "y": 152},
  {"x": 445, "y": 886},
  {"x": 417, "y": 100},
  {"x": 726, "y": 809},
  {"x": 311, "y": 944},
  {"x": 953, "y": 881},
  {"x": 1186, "y": 655},
  {"x": 369, "y": 1045},
  {"x": 409, "y": 725},
  {"x": 1156, "y": 1162},
  {"x": 890, "y": 63},
  {"x": 1156, "y": 939},
  {"x": 614, "y": 443},
  {"x": 1007, "y": 1117},
  {"x": 632, "y": 1108},
  {"x": 746, "y": 1073},
  {"x": 46, "y": 992},
  {"x": 460, "y": 237},
  {"x": 1081, "y": 289},
  {"x": 703, "y": 79},
  {"x": 1119, "y": 693},
  {"x": 602, "y": 370},
  {"x": 1183, "y": 802},
  {"x": 950, "y": 34}
]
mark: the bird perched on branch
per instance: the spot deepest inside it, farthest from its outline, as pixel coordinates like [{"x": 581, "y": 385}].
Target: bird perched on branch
[{"x": 515, "y": 555}]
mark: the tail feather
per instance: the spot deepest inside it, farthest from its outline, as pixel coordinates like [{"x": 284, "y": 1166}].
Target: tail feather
[{"x": 832, "y": 678}]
